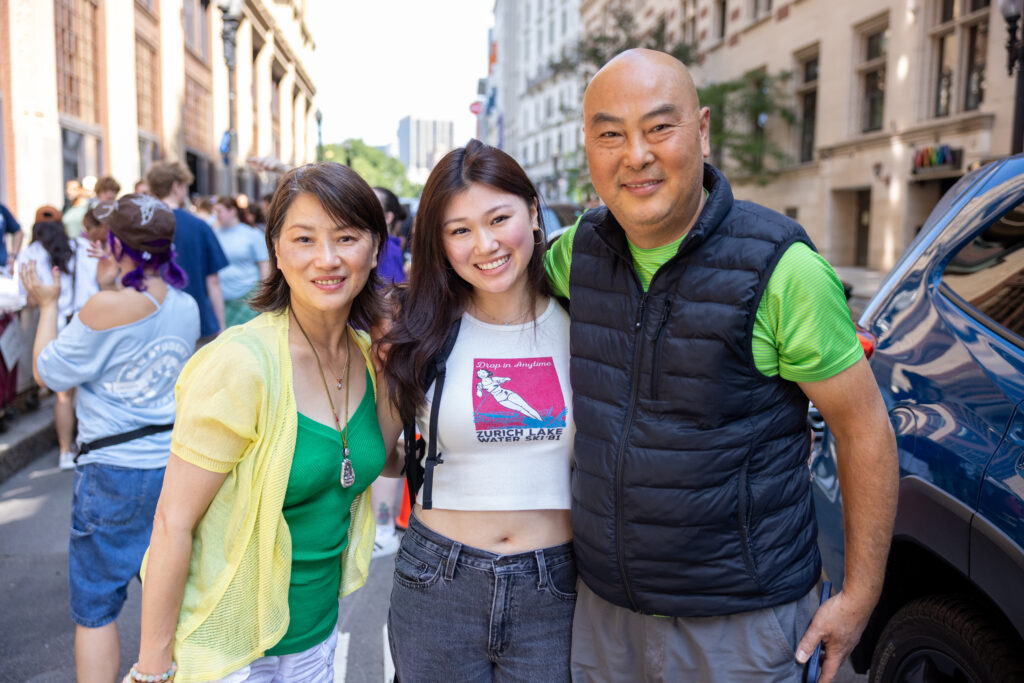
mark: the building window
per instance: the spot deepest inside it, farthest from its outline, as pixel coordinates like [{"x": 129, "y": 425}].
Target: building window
[
  {"x": 807, "y": 98},
  {"x": 690, "y": 22},
  {"x": 946, "y": 46},
  {"x": 197, "y": 115},
  {"x": 75, "y": 27},
  {"x": 196, "y": 22},
  {"x": 720, "y": 19},
  {"x": 958, "y": 43},
  {"x": 977, "y": 45},
  {"x": 946, "y": 11},
  {"x": 147, "y": 91},
  {"x": 872, "y": 78},
  {"x": 760, "y": 8}
]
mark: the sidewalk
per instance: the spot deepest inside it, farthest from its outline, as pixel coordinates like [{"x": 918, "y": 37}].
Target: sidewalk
[{"x": 28, "y": 436}]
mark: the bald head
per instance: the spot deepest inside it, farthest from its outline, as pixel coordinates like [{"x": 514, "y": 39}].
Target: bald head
[
  {"x": 640, "y": 71},
  {"x": 646, "y": 138}
]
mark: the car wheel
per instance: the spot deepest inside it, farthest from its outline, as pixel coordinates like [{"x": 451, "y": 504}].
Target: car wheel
[{"x": 945, "y": 639}]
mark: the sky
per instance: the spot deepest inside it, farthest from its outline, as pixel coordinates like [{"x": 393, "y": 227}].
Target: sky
[{"x": 379, "y": 61}]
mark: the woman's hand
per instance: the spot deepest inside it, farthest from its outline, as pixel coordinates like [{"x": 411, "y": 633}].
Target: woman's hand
[
  {"x": 107, "y": 270},
  {"x": 43, "y": 295}
]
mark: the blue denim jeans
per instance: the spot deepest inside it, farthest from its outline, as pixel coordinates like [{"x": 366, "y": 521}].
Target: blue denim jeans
[
  {"x": 111, "y": 520},
  {"x": 461, "y": 614}
]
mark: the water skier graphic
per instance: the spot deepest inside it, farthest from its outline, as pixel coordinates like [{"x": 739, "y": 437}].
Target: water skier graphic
[
  {"x": 516, "y": 393},
  {"x": 505, "y": 397}
]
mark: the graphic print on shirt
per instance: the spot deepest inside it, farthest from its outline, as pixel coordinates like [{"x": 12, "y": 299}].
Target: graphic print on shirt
[
  {"x": 148, "y": 379},
  {"x": 517, "y": 399}
]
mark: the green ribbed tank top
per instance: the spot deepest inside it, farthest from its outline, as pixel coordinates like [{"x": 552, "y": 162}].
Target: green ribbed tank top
[{"x": 317, "y": 509}]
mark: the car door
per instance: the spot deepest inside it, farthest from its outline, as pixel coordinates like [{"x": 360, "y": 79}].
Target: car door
[{"x": 997, "y": 530}]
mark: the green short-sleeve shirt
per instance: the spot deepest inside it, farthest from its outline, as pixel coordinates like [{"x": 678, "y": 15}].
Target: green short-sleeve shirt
[{"x": 803, "y": 331}]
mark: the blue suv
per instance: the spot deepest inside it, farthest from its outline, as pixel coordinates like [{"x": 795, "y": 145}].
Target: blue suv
[{"x": 946, "y": 335}]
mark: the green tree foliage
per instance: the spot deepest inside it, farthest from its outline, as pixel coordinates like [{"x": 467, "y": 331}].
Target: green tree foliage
[
  {"x": 593, "y": 51},
  {"x": 374, "y": 166},
  {"x": 742, "y": 109},
  {"x": 741, "y": 113}
]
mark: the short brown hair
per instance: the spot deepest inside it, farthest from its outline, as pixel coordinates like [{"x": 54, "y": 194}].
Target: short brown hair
[
  {"x": 107, "y": 184},
  {"x": 163, "y": 174},
  {"x": 228, "y": 203},
  {"x": 348, "y": 200}
]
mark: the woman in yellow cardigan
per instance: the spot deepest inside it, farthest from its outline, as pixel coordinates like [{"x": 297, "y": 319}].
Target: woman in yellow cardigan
[{"x": 262, "y": 521}]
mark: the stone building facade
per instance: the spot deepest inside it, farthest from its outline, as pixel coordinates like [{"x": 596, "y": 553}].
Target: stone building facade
[
  {"x": 894, "y": 100},
  {"x": 105, "y": 87}
]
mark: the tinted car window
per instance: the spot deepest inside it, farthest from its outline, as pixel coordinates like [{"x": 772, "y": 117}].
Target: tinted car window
[{"x": 988, "y": 272}]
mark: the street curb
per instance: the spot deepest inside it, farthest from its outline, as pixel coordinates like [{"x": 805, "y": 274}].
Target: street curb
[{"x": 29, "y": 436}]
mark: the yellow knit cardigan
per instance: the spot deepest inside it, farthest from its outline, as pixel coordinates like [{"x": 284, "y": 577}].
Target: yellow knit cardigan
[{"x": 236, "y": 414}]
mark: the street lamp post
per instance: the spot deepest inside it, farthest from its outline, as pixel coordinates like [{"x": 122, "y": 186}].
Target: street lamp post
[
  {"x": 1012, "y": 10},
  {"x": 319, "y": 136},
  {"x": 231, "y": 14}
]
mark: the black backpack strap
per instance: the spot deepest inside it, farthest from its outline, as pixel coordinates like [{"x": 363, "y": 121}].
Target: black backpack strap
[
  {"x": 84, "y": 448},
  {"x": 414, "y": 448},
  {"x": 415, "y": 472}
]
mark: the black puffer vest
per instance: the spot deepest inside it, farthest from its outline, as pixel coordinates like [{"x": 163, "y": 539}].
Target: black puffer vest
[{"x": 691, "y": 491}]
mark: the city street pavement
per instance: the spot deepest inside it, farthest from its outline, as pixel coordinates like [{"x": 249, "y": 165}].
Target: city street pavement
[{"x": 36, "y": 631}]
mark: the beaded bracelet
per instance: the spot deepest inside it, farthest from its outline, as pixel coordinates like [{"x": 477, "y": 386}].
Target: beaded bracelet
[{"x": 134, "y": 674}]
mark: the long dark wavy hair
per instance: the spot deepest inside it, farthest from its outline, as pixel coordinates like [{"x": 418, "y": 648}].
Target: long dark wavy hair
[
  {"x": 54, "y": 238},
  {"x": 348, "y": 200},
  {"x": 435, "y": 295}
]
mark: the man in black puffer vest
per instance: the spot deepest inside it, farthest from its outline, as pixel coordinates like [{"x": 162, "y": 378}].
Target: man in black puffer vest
[{"x": 700, "y": 327}]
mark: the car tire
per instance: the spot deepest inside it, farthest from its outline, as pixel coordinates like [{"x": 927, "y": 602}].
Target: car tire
[{"x": 945, "y": 638}]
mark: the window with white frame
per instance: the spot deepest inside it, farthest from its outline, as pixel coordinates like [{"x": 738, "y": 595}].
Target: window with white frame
[
  {"x": 720, "y": 19},
  {"x": 690, "y": 22},
  {"x": 958, "y": 41},
  {"x": 760, "y": 8},
  {"x": 874, "y": 45}
]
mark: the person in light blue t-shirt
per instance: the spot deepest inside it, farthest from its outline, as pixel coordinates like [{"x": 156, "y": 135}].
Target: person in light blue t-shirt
[
  {"x": 248, "y": 261},
  {"x": 123, "y": 351}
]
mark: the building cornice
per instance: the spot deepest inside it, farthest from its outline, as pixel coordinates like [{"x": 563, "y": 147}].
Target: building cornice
[
  {"x": 928, "y": 131},
  {"x": 259, "y": 16}
]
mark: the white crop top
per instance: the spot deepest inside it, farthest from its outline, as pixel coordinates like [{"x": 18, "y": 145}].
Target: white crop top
[{"x": 505, "y": 425}]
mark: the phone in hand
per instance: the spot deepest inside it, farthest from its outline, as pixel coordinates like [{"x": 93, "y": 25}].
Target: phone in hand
[{"x": 813, "y": 670}]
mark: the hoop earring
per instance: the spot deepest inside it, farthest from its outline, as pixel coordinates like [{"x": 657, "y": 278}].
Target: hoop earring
[{"x": 538, "y": 236}]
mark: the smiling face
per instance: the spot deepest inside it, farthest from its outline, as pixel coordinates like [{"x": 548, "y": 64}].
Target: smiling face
[
  {"x": 646, "y": 139},
  {"x": 488, "y": 239},
  {"x": 325, "y": 264}
]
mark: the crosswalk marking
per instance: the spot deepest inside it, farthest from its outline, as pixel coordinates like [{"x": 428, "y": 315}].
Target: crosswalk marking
[
  {"x": 389, "y": 664},
  {"x": 341, "y": 658}
]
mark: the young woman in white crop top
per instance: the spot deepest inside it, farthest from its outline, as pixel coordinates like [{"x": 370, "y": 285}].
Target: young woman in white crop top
[{"x": 485, "y": 580}]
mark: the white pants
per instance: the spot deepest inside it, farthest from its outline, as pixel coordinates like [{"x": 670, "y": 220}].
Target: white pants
[{"x": 315, "y": 665}]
